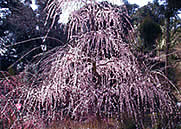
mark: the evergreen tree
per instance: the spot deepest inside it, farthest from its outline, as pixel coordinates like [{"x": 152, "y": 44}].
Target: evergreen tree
[{"x": 22, "y": 32}]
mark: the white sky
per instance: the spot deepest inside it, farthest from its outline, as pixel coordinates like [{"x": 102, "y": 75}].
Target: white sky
[
  {"x": 33, "y": 5},
  {"x": 140, "y": 2}
]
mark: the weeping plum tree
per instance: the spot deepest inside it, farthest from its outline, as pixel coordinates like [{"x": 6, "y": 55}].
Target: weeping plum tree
[{"x": 95, "y": 74}]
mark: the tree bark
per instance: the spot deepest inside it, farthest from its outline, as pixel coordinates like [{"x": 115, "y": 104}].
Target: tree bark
[{"x": 167, "y": 45}]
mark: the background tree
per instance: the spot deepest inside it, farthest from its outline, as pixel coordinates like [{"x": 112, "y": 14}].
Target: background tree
[
  {"x": 26, "y": 27},
  {"x": 156, "y": 12},
  {"x": 7, "y": 56},
  {"x": 131, "y": 8},
  {"x": 149, "y": 31},
  {"x": 172, "y": 6}
]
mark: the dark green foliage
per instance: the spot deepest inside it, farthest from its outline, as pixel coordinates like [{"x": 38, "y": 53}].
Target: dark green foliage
[
  {"x": 24, "y": 26},
  {"x": 131, "y": 8},
  {"x": 150, "y": 31},
  {"x": 172, "y": 6}
]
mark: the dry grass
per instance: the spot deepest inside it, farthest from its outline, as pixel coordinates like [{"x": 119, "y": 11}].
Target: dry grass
[{"x": 94, "y": 123}]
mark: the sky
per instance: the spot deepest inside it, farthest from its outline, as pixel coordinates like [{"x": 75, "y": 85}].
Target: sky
[
  {"x": 139, "y": 2},
  {"x": 33, "y": 5}
]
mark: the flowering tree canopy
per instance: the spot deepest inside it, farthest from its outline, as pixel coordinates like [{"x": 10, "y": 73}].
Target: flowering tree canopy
[{"x": 95, "y": 74}]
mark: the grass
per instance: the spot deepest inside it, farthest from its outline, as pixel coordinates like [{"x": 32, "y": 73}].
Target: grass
[{"x": 94, "y": 123}]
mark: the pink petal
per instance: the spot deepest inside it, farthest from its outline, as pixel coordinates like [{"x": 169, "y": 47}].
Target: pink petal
[{"x": 18, "y": 106}]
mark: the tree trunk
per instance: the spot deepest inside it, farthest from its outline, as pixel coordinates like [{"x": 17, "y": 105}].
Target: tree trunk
[{"x": 167, "y": 46}]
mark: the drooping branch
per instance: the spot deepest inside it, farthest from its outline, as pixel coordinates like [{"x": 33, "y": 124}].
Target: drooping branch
[
  {"x": 100, "y": 16},
  {"x": 96, "y": 73}
]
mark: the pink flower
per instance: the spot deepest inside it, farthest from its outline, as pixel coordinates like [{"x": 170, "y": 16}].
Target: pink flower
[{"x": 18, "y": 106}]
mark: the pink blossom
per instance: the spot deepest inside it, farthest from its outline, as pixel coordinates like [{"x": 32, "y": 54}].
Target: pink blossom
[{"x": 18, "y": 106}]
